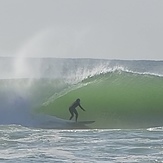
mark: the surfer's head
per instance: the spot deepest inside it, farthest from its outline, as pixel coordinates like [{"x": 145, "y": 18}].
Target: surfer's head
[{"x": 78, "y": 100}]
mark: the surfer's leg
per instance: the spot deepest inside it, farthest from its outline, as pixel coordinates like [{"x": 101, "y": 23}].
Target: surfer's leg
[
  {"x": 76, "y": 114},
  {"x": 72, "y": 114}
]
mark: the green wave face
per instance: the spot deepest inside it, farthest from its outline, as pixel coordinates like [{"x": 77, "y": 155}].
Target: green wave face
[{"x": 114, "y": 100}]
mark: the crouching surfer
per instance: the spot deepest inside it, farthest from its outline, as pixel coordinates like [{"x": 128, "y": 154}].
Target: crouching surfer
[{"x": 73, "y": 110}]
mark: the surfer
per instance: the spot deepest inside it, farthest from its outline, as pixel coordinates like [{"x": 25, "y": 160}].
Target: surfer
[{"x": 73, "y": 110}]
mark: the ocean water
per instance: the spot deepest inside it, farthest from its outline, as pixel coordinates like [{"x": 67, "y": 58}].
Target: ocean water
[
  {"x": 123, "y": 97},
  {"x": 20, "y": 144}
]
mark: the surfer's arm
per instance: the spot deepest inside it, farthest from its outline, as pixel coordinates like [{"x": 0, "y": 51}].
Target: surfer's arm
[{"x": 81, "y": 107}]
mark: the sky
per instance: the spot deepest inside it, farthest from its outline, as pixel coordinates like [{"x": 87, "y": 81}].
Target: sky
[{"x": 105, "y": 29}]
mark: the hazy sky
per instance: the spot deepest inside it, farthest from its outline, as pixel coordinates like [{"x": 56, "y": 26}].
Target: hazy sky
[{"x": 112, "y": 29}]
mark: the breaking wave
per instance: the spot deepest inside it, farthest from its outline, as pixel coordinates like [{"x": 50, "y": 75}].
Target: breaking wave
[{"x": 116, "y": 94}]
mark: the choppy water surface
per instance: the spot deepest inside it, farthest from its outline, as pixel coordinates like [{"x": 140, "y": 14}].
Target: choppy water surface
[{"x": 21, "y": 144}]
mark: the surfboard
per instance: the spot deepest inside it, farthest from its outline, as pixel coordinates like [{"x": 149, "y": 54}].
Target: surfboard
[{"x": 85, "y": 122}]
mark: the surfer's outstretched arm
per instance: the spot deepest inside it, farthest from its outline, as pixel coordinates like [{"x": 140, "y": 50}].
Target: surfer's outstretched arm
[{"x": 81, "y": 107}]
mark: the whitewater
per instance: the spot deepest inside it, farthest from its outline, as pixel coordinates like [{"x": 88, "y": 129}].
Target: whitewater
[{"x": 123, "y": 97}]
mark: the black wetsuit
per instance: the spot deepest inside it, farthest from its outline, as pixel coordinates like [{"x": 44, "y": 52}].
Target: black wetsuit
[{"x": 73, "y": 110}]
